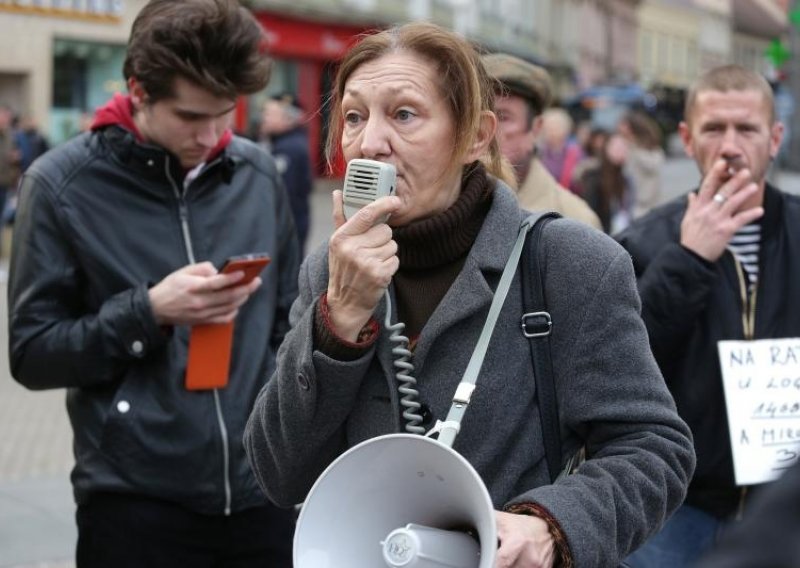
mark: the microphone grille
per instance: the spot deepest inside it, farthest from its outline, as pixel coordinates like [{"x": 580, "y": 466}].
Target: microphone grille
[{"x": 361, "y": 181}]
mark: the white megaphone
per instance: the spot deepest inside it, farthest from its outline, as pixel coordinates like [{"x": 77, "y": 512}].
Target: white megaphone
[
  {"x": 404, "y": 500},
  {"x": 399, "y": 500}
]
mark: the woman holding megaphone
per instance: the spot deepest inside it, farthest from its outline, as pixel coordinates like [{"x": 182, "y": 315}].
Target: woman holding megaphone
[{"x": 417, "y": 97}]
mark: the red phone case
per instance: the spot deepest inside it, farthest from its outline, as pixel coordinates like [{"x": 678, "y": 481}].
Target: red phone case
[{"x": 210, "y": 345}]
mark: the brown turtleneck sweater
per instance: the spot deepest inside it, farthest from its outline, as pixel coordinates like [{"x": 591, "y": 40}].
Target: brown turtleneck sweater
[{"x": 432, "y": 252}]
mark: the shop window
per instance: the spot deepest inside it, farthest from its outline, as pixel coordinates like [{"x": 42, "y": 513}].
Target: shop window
[
  {"x": 85, "y": 76},
  {"x": 69, "y": 81}
]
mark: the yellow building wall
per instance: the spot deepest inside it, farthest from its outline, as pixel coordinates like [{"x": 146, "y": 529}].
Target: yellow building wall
[
  {"x": 26, "y": 48},
  {"x": 668, "y": 44}
]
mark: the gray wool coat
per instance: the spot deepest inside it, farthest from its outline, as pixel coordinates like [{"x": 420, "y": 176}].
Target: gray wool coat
[{"x": 611, "y": 395}]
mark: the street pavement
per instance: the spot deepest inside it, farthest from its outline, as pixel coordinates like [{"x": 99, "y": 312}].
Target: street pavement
[{"x": 37, "y": 528}]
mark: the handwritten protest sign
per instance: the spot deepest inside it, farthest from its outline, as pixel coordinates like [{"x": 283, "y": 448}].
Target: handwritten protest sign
[{"x": 762, "y": 391}]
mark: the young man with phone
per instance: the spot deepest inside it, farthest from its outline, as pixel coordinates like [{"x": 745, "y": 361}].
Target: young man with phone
[{"x": 119, "y": 237}]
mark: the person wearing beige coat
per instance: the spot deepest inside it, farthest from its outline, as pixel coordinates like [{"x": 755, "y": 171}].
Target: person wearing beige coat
[
  {"x": 522, "y": 92},
  {"x": 540, "y": 191}
]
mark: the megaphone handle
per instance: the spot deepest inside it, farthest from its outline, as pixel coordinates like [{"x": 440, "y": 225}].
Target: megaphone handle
[{"x": 451, "y": 425}]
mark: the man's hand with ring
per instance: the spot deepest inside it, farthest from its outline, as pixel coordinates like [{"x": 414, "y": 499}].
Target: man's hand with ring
[{"x": 716, "y": 211}]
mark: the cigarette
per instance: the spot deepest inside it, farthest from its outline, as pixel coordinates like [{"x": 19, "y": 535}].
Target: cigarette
[{"x": 734, "y": 165}]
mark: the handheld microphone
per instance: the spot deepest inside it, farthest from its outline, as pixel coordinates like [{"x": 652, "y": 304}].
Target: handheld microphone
[{"x": 364, "y": 182}]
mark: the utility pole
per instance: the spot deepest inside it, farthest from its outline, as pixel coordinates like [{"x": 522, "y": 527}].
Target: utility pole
[{"x": 792, "y": 157}]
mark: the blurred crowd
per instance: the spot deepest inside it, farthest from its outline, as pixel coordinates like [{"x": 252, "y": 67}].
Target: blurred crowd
[
  {"x": 21, "y": 143},
  {"x": 282, "y": 133},
  {"x": 616, "y": 172}
]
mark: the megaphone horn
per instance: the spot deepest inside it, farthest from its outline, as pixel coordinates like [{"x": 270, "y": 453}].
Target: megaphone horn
[{"x": 396, "y": 501}]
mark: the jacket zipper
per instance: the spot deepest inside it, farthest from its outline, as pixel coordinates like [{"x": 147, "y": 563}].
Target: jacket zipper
[
  {"x": 183, "y": 210},
  {"x": 749, "y": 328}
]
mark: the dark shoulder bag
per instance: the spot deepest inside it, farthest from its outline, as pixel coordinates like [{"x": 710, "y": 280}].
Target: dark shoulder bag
[{"x": 536, "y": 326}]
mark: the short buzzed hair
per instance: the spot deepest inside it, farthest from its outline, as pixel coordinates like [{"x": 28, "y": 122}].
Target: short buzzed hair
[{"x": 730, "y": 78}]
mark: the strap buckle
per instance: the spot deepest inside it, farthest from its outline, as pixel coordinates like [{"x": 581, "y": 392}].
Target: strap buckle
[
  {"x": 536, "y": 324},
  {"x": 463, "y": 393},
  {"x": 440, "y": 425}
]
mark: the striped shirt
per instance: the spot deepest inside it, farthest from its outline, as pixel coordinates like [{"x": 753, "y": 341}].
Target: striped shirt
[{"x": 745, "y": 246}]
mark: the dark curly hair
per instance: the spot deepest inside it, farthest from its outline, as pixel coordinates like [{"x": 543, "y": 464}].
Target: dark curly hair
[{"x": 216, "y": 44}]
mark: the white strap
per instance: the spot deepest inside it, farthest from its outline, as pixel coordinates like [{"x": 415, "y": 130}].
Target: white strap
[{"x": 452, "y": 424}]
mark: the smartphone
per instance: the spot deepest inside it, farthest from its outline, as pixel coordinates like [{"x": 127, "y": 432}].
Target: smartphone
[
  {"x": 251, "y": 264},
  {"x": 210, "y": 345}
]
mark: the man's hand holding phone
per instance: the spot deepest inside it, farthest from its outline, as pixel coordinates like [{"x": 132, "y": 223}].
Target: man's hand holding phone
[{"x": 198, "y": 294}]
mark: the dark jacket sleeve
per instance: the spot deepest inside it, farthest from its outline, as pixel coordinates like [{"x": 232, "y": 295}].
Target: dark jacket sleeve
[
  {"x": 54, "y": 339},
  {"x": 674, "y": 284},
  {"x": 300, "y": 186},
  {"x": 767, "y": 536}
]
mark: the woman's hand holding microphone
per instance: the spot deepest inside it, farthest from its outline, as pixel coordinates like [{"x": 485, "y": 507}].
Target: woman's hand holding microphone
[{"x": 362, "y": 259}]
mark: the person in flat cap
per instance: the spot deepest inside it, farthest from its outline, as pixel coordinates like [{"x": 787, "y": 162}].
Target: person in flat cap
[{"x": 522, "y": 92}]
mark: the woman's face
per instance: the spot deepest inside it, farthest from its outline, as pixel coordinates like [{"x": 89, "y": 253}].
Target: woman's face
[
  {"x": 393, "y": 112},
  {"x": 617, "y": 150}
]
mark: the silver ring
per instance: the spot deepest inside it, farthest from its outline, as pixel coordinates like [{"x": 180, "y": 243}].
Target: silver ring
[{"x": 719, "y": 198}]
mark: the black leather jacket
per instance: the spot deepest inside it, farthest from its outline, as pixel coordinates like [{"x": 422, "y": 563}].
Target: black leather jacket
[
  {"x": 689, "y": 304},
  {"x": 100, "y": 219}
]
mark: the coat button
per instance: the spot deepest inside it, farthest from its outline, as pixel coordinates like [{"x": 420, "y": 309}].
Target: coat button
[
  {"x": 123, "y": 406},
  {"x": 302, "y": 380},
  {"x": 137, "y": 347}
]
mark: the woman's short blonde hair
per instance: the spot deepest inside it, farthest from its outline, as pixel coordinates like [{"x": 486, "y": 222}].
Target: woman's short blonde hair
[{"x": 462, "y": 81}]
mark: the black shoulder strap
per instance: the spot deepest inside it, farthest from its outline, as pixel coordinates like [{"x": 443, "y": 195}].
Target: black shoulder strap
[{"x": 536, "y": 325}]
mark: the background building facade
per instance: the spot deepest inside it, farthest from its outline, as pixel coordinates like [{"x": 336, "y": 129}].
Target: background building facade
[{"x": 60, "y": 59}]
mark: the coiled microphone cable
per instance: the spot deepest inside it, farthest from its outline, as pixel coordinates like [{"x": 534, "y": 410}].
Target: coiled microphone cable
[{"x": 403, "y": 369}]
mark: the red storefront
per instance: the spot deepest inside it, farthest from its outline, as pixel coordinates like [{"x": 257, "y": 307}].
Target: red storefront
[{"x": 312, "y": 48}]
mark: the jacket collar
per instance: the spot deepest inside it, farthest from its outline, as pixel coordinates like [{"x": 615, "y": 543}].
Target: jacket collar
[
  {"x": 118, "y": 112},
  {"x": 153, "y": 162}
]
